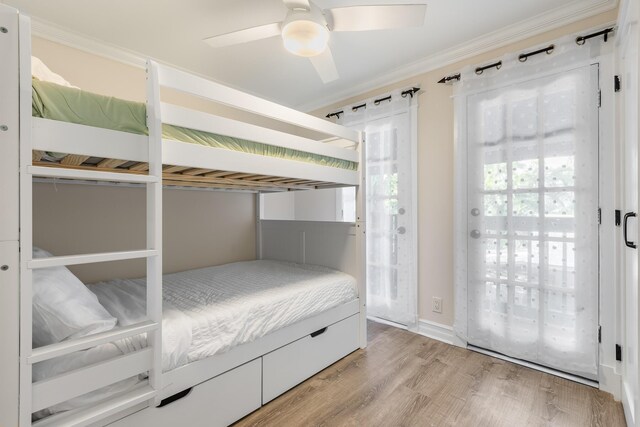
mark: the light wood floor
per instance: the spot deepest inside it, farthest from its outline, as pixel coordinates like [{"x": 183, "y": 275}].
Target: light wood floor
[{"x": 404, "y": 379}]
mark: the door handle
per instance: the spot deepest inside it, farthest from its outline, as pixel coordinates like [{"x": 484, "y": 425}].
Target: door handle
[
  {"x": 401, "y": 230},
  {"x": 624, "y": 230}
]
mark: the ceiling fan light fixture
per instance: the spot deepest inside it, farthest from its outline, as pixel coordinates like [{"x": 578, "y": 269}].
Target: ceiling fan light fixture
[{"x": 305, "y": 37}]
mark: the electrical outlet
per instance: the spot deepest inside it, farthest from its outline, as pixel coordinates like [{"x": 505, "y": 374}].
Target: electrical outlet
[{"x": 437, "y": 305}]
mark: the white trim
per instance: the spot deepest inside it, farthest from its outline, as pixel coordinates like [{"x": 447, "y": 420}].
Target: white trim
[
  {"x": 628, "y": 405},
  {"x": 610, "y": 381},
  {"x": 523, "y": 30},
  {"x": 435, "y": 330},
  {"x": 55, "y": 33}
]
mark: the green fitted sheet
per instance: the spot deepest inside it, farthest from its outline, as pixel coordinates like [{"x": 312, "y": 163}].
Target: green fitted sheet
[{"x": 55, "y": 102}]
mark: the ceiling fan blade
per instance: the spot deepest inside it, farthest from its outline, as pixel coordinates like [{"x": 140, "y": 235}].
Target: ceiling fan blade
[
  {"x": 297, "y": 4},
  {"x": 381, "y": 17},
  {"x": 244, "y": 36},
  {"x": 325, "y": 66}
]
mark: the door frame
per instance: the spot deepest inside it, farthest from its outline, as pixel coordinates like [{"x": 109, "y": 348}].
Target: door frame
[
  {"x": 628, "y": 17},
  {"x": 609, "y": 293}
]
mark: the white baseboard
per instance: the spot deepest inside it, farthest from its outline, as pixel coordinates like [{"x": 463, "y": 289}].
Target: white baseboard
[
  {"x": 628, "y": 406},
  {"x": 437, "y": 331},
  {"x": 610, "y": 381}
]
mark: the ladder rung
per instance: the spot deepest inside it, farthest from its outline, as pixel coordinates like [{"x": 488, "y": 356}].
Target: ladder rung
[
  {"x": 80, "y": 381},
  {"x": 66, "y": 347},
  {"x": 100, "y": 411},
  {"x": 56, "y": 261},
  {"x": 53, "y": 172}
]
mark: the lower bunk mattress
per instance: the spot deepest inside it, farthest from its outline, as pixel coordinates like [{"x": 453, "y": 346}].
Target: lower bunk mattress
[{"x": 206, "y": 312}]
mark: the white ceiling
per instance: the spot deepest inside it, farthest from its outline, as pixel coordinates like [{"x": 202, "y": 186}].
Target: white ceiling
[{"x": 172, "y": 32}]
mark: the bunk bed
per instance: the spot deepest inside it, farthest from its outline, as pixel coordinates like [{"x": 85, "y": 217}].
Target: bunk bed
[{"x": 54, "y": 132}]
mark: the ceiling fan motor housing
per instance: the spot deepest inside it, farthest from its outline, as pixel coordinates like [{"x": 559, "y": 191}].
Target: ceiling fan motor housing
[{"x": 305, "y": 32}]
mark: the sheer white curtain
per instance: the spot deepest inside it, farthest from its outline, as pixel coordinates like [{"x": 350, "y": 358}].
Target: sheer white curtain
[
  {"x": 527, "y": 198},
  {"x": 390, "y": 144}
]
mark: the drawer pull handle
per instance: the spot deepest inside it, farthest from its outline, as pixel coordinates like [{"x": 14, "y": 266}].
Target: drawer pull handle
[
  {"x": 318, "y": 332},
  {"x": 177, "y": 396}
]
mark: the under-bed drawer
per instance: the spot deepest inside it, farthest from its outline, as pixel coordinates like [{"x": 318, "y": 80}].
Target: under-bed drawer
[
  {"x": 288, "y": 366},
  {"x": 217, "y": 402}
]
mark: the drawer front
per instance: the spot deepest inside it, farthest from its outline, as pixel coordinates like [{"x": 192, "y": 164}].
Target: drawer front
[
  {"x": 217, "y": 402},
  {"x": 288, "y": 366}
]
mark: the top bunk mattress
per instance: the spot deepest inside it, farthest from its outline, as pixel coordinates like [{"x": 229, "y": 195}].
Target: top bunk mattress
[{"x": 72, "y": 105}]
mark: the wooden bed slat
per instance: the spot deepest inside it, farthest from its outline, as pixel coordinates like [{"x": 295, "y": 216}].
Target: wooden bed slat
[
  {"x": 227, "y": 181},
  {"x": 73, "y": 160},
  {"x": 217, "y": 179},
  {"x": 240, "y": 175},
  {"x": 111, "y": 163},
  {"x": 217, "y": 174},
  {"x": 139, "y": 167},
  {"x": 173, "y": 169},
  {"x": 36, "y": 155},
  {"x": 196, "y": 171}
]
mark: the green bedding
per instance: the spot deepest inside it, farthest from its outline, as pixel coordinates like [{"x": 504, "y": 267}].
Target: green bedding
[{"x": 55, "y": 102}]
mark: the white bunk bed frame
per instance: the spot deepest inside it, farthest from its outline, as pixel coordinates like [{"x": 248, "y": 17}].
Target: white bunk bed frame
[{"x": 21, "y": 134}]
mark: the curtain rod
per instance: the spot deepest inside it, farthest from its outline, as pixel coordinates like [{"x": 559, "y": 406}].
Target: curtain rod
[
  {"x": 580, "y": 40},
  {"x": 605, "y": 33},
  {"x": 409, "y": 92}
]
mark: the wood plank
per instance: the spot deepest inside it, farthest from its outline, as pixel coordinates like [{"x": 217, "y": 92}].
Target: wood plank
[
  {"x": 240, "y": 175},
  {"x": 196, "y": 171},
  {"x": 111, "y": 163},
  {"x": 201, "y": 181},
  {"x": 173, "y": 169},
  {"x": 73, "y": 160},
  {"x": 404, "y": 379},
  {"x": 217, "y": 174},
  {"x": 228, "y": 181},
  {"x": 36, "y": 155},
  {"x": 139, "y": 167},
  {"x": 271, "y": 178},
  {"x": 208, "y": 185}
]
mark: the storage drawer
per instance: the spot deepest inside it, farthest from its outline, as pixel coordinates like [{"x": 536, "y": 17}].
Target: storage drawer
[
  {"x": 217, "y": 402},
  {"x": 288, "y": 366}
]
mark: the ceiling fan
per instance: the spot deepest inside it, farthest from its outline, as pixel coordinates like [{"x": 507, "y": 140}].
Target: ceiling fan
[{"x": 306, "y": 29}]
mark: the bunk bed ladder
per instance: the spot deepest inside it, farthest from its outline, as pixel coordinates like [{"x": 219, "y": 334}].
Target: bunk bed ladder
[{"x": 57, "y": 389}]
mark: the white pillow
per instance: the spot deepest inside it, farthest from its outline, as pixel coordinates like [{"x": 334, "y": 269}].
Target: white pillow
[
  {"x": 63, "y": 307},
  {"x": 41, "y": 72}
]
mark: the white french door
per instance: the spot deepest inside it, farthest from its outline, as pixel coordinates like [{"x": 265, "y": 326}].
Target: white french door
[
  {"x": 629, "y": 65},
  {"x": 391, "y": 234},
  {"x": 532, "y": 198}
]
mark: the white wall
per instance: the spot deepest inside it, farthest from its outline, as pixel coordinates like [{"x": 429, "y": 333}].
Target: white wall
[
  {"x": 200, "y": 228},
  {"x": 279, "y": 206},
  {"x": 314, "y": 205}
]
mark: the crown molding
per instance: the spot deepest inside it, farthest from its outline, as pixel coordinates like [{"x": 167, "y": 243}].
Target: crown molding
[
  {"x": 57, "y": 34},
  {"x": 522, "y": 30},
  {"x": 60, "y": 35}
]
